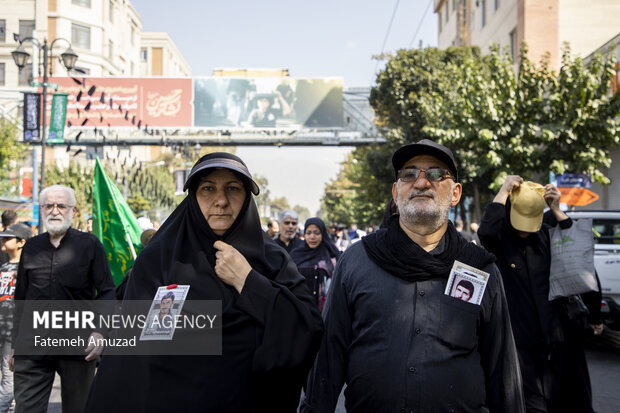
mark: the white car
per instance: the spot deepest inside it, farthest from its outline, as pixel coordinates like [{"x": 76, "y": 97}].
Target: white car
[{"x": 606, "y": 231}]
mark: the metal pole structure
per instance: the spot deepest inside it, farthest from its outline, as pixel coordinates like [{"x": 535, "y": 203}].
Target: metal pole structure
[{"x": 43, "y": 123}]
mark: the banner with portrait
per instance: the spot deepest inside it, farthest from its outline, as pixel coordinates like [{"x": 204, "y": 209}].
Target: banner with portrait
[{"x": 268, "y": 102}]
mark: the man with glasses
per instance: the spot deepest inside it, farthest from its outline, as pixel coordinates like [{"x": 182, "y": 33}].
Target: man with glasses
[
  {"x": 287, "y": 239},
  {"x": 392, "y": 334},
  {"x": 60, "y": 264}
]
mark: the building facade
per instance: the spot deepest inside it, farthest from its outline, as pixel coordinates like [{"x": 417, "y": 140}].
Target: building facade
[
  {"x": 545, "y": 25},
  {"x": 159, "y": 56},
  {"x": 105, "y": 34}
]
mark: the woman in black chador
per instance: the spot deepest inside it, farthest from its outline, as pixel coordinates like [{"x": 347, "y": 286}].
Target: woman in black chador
[
  {"x": 316, "y": 258},
  {"x": 271, "y": 328}
]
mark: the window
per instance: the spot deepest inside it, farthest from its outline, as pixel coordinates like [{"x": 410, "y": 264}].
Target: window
[
  {"x": 513, "y": 44},
  {"x": 26, "y": 28},
  {"x": 2, "y": 30},
  {"x": 110, "y": 49},
  {"x": 143, "y": 55},
  {"x": 83, "y": 3},
  {"x": 2, "y": 82},
  {"x": 439, "y": 21},
  {"x": 25, "y": 75},
  {"x": 133, "y": 35},
  {"x": 80, "y": 36},
  {"x": 447, "y": 10},
  {"x": 606, "y": 231},
  {"x": 496, "y": 5},
  {"x": 483, "y": 13},
  {"x": 111, "y": 13}
]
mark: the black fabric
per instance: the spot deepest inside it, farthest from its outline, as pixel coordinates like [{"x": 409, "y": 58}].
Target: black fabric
[
  {"x": 315, "y": 264},
  {"x": 558, "y": 376},
  {"x": 295, "y": 243},
  {"x": 76, "y": 270},
  {"x": 405, "y": 346},
  {"x": 270, "y": 331},
  {"x": 392, "y": 250},
  {"x": 303, "y": 255}
]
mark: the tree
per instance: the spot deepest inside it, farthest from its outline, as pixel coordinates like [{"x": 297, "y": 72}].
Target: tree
[
  {"x": 495, "y": 121},
  {"x": 11, "y": 150},
  {"x": 303, "y": 212}
]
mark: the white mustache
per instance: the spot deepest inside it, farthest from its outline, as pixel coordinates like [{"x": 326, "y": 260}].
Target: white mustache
[{"x": 423, "y": 193}]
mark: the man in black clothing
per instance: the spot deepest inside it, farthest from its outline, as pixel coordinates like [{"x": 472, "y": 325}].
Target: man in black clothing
[
  {"x": 514, "y": 231},
  {"x": 287, "y": 239},
  {"x": 392, "y": 334},
  {"x": 60, "y": 264}
]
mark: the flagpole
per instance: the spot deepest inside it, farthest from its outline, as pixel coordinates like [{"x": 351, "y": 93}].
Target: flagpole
[{"x": 133, "y": 251}]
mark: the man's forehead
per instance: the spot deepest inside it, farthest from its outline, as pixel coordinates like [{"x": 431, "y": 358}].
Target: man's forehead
[
  {"x": 57, "y": 194},
  {"x": 425, "y": 161}
]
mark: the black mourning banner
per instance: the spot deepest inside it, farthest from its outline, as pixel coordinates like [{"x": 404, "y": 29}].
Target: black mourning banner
[{"x": 32, "y": 117}]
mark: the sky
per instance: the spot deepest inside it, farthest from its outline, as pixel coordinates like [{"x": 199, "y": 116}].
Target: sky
[{"x": 319, "y": 38}]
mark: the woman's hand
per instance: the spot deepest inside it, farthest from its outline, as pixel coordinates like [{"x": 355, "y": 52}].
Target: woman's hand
[
  {"x": 511, "y": 182},
  {"x": 552, "y": 198},
  {"x": 230, "y": 265}
]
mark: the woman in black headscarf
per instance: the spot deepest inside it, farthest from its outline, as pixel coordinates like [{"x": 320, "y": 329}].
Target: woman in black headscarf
[
  {"x": 213, "y": 242},
  {"x": 316, "y": 258}
]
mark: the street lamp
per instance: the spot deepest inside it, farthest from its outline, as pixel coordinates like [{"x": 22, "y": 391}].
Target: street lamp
[{"x": 69, "y": 58}]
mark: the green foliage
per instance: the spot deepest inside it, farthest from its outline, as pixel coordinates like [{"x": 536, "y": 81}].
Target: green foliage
[
  {"x": 11, "y": 149},
  {"x": 496, "y": 122},
  {"x": 138, "y": 204}
]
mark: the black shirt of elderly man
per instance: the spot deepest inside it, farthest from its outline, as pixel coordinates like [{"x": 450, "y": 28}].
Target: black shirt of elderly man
[
  {"x": 391, "y": 333},
  {"x": 60, "y": 264}
]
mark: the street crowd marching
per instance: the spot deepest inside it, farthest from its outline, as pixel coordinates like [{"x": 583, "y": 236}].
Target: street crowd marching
[{"x": 416, "y": 316}]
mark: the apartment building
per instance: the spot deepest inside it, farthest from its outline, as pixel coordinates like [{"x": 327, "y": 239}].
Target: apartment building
[
  {"x": 105, "y": 34},
  {"x": 544, "y": 24},
  {"x": 159, "y": 56}
]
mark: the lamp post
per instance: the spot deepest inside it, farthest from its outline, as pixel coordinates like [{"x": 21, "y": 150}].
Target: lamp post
[{"x": 69, "y": 58}]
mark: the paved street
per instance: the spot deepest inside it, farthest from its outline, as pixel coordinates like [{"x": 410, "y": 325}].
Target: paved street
[{"x": 604, "y": 363}]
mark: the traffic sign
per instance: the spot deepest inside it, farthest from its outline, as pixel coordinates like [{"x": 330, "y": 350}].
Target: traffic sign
[
  {"x": 569, "y": 180},
  {"x": 577, "y": 196},
  {"x": 49, "y": 85}
]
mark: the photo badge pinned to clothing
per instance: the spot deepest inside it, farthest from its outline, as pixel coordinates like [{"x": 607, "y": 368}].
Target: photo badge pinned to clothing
[
  {"x": 164, "y": 311},
  {"x": 466, "y": 283}
]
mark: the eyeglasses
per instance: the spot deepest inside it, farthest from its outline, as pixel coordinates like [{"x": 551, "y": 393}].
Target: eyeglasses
[
  {"x": 411, "y": 174},
  {"x": 61, "y": 207}
]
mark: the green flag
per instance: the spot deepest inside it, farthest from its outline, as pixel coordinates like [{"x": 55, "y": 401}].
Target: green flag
[
  {"x": 57, "y": 119},
  {"x": 115, "y": 224}
]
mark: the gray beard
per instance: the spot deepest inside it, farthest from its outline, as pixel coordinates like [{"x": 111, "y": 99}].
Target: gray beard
[
  {"x": 58, "y": 228},
  {"x": 422, "y": 217}
]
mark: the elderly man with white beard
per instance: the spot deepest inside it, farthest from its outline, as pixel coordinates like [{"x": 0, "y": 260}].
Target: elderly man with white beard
[
  {"x": 60, "y": 264},
  {"x": 393, "y": 333}
]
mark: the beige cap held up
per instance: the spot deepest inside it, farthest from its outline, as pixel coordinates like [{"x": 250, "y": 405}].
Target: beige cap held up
[{"x": 527, "y": 206}]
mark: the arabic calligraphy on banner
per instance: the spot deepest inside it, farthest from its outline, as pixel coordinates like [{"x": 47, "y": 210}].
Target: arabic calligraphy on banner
[{"x": 165, "y": 102}]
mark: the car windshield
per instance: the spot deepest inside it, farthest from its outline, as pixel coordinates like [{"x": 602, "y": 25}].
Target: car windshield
[{"x": 606, "y": 231}]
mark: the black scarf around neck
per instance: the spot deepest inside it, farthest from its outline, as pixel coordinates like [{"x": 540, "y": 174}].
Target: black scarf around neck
[{"x": 393, "y": 250}]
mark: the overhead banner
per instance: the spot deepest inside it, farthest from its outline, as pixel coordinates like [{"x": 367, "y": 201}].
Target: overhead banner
[
  {"x": 205, "y": 102},
  {"x": 127, "y": 102},
  {"x": 32, "y": 117},
  {"x": 57, "y": 119},
  {"x": 268, "y": 102}
]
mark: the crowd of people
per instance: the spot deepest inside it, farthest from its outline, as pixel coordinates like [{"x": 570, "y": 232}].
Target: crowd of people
[{"x": 380, "y": 311}]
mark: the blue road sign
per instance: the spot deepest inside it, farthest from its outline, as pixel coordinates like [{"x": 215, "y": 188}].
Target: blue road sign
[{"x": 569, "y": 180}]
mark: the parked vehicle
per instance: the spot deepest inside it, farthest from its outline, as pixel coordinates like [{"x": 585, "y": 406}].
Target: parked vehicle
[{"x": 606, "y": 232}]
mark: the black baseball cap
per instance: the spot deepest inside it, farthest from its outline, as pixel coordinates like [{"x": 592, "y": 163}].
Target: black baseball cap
[
  {"x": 21, "y": 231},
  {"x": 222, "y": 160},
  {"x": 424, "y": 147}
]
